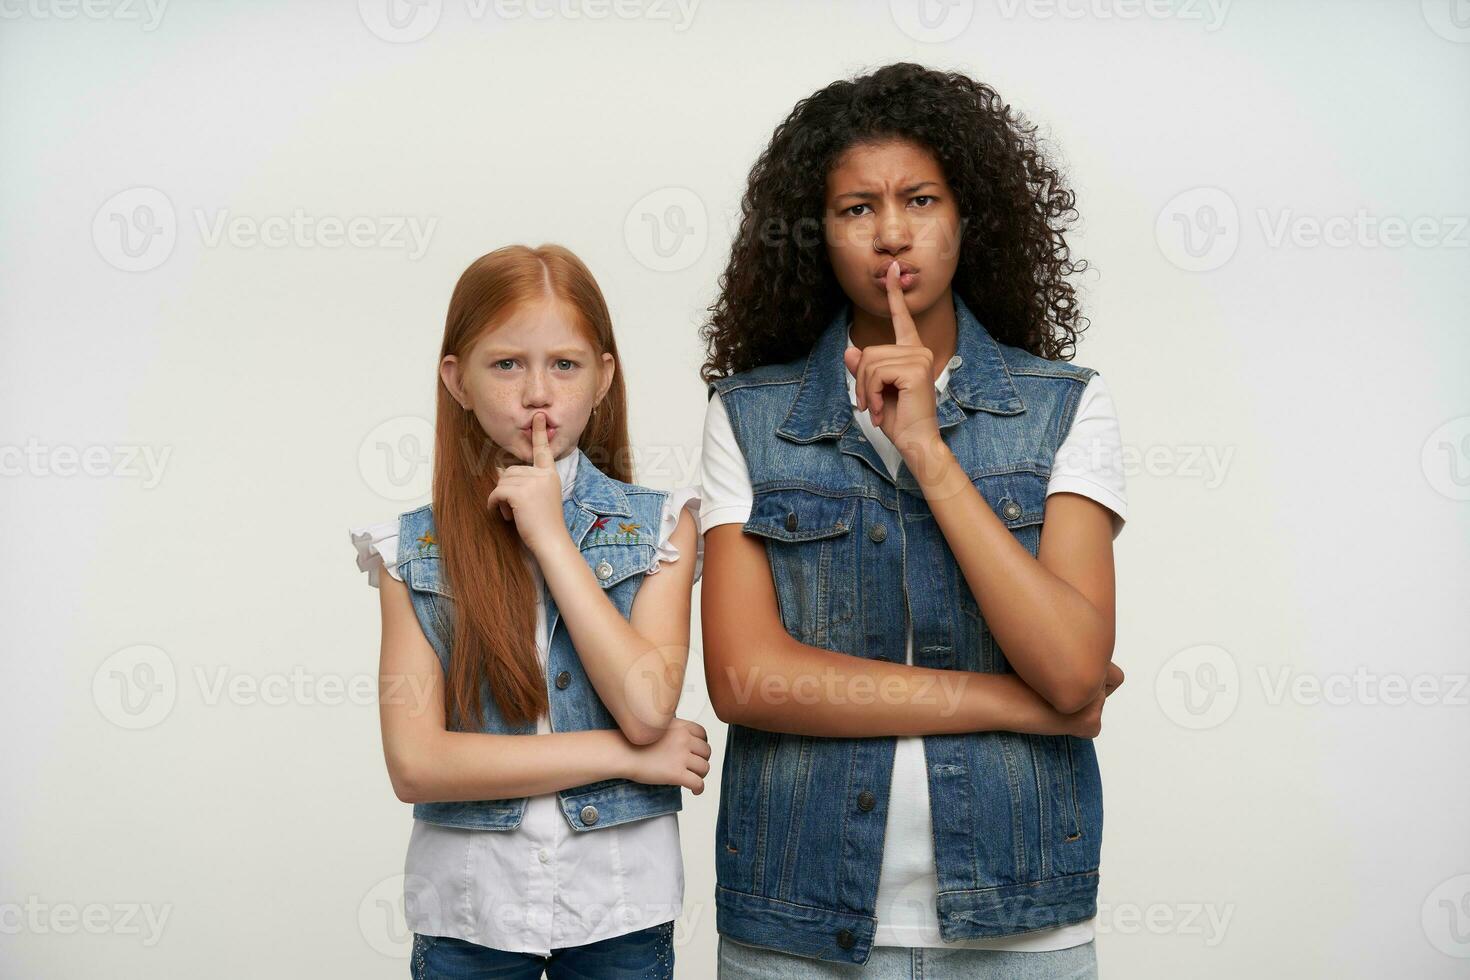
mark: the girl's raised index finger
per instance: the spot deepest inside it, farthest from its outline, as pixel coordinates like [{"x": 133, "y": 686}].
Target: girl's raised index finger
[
  {"x": 540, "y": 451},
  {"x": 904, "y": 331}
]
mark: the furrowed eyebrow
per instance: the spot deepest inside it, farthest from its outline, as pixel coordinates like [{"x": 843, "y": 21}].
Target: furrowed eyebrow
[
  {"x": 499, "y": 352},
  {"x": 866, "y": 195}
]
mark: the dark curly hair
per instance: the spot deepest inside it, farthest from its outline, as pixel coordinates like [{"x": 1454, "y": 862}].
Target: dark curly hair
[{"x": 778, "y": 290}]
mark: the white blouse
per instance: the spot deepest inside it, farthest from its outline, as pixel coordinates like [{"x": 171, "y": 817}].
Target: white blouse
[{"x": 541, "y": 886}]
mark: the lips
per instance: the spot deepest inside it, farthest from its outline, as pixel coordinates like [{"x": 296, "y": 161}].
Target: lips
[{"x": 907, "y": 275}]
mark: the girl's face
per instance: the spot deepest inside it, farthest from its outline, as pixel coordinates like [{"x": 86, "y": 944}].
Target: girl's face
[
  {"x": 537, "y": 360},
  {"x": 888, "y": 201}
]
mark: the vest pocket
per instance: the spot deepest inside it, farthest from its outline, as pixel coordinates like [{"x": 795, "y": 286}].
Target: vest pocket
[{"x": 809, "y": 544}]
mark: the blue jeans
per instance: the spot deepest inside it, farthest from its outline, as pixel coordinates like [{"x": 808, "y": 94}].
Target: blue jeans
[
  {"x": 741, "y": 962},
  {"x": 647, "y": 954}
]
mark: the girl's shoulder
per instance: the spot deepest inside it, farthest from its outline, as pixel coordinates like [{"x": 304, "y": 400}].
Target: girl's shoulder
[{"x": 378, "y": 545}]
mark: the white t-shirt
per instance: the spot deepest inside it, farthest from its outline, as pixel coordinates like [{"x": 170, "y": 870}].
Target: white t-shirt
[
  {"x": 541, "y": 885},
  {"x": 1089, "y": 462}
]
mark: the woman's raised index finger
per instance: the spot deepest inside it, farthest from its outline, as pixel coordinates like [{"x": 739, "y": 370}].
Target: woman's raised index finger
[{"x": 904, "y": 331}]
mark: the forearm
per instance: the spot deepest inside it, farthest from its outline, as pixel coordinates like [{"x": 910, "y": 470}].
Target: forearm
[
  {"x": 449, "y": 766},
  {"x": 1056, "y": 640},
  {"x": 634, "y": 677},
  {"x": 778, "y": 684}
]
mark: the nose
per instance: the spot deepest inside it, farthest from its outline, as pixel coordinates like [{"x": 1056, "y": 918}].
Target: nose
[
  {"x": 536, "y": 393},
  {"x": 894, "y": 236}
]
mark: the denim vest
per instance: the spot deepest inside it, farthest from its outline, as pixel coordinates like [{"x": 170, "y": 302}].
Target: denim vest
[
  {"x": 856, "y": 557},
  {"x": 623, "y": 521}
]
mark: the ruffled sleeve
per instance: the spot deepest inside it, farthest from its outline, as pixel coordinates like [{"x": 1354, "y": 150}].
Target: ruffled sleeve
[
  {"x": 678, "y": 500},
  {"x": 377, "y": 549}
]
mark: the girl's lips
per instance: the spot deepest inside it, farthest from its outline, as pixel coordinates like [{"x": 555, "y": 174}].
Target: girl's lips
[{"x": 906, "y": 281}]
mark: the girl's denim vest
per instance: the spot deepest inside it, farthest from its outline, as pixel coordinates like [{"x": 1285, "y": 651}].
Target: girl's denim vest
[
  {"x": 616, "y": 526},
  {"x": 856, "y": 557}
]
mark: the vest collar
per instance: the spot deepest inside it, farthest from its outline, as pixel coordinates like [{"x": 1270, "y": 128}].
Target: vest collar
[
  {"x": 980, "y": 381},
  {"x": 596, "y": 492}
]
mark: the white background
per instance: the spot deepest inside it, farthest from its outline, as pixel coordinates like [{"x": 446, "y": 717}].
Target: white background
[{"x": 187, "y": 641}]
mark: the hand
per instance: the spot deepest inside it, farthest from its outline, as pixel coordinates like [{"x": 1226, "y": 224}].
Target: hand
[
  {"x": 531, "y": 495},
  {"x": 1087, "y": 723},
  {"x": 895, "y": 382},
  {"x": 679, "y": 758}
]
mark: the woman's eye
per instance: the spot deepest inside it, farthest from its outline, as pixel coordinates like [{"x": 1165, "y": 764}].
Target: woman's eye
[
  {"x": 924, "y": 197},
  {"x": 850, "y": 210}
]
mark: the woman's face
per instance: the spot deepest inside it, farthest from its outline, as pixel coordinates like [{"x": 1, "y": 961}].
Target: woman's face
[
  {"x": 535, "y": 361},
  {"x": 888, "y": 201}
]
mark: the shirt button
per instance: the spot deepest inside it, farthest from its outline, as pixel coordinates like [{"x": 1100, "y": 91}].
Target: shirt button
[
  {"x": 543, "y": 856},
  {"x": 877, "y": 532},
  {"x": 845, "y": 938},
  {"x": 604, "y": 570},
  {"x": 563, "y": 680},
  {"x": 1012, "y": 510},
  {"x": 589, "y": 814},
  {"x": 866, "y": 801},
  {"x": 791, "y": 522}
]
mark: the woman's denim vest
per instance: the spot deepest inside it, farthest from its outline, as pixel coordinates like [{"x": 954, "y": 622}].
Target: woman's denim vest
[
  {"x": 616, "y": 527},
  {"x": 856, "y": 557}
]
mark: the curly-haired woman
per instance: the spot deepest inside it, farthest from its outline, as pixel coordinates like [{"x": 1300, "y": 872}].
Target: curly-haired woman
[{"x": 910, "y": 502}]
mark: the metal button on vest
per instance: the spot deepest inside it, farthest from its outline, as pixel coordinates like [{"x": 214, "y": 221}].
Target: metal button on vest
[
  {"x": 866, "y": 801},
  {"x": 845, "y": 938},
  {"x": 562, "y": 680},
  {"x": 604, "y": 570},
  {"x": 955, "y": 362},
  {"x": 589, "y": 814},
  {"x": 791, "y": 522},
  {"x": 1012, "y": 510},
  {"x": 878, "y": 532}
]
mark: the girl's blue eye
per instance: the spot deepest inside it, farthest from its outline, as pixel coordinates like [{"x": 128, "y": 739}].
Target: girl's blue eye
[
  {"x": 567, "y": 361},
  {"x": 504, "y": 360}
]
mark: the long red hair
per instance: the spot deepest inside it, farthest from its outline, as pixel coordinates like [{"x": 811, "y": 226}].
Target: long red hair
[{"x": 494, "y": 607}]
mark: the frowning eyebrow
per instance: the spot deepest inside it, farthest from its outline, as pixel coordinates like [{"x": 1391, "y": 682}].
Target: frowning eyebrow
[
  {"x": 557, "y": 352},
  {"x": 866, "y": 195}
]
